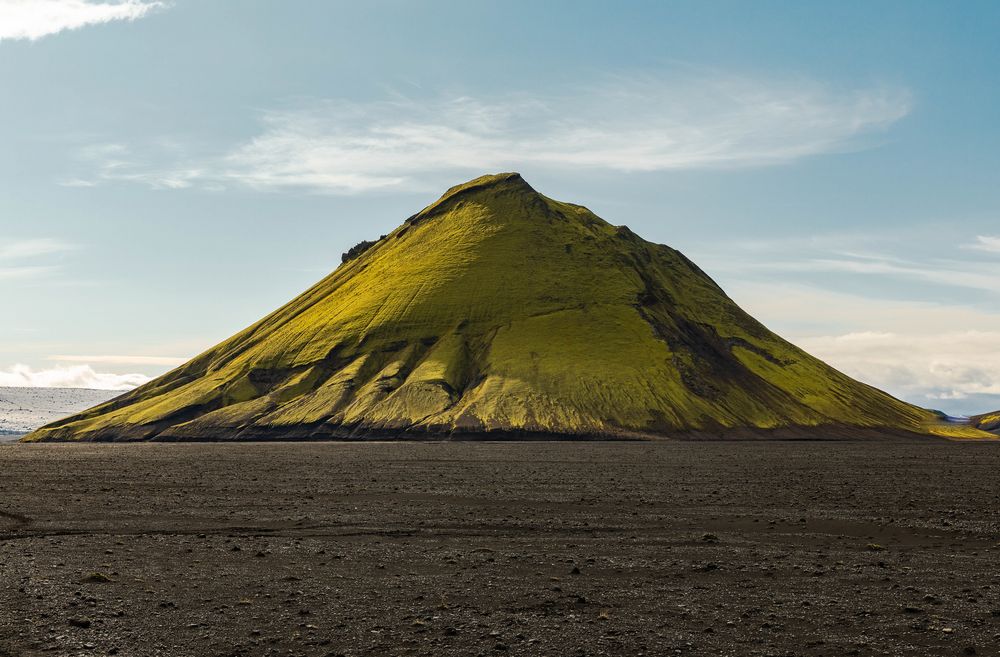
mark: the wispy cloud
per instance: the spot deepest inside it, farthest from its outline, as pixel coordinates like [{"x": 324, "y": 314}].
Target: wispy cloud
[
  {"x": 34, "y": 19},
  {"x": 76, "y": 376},
  {"x": 21, "y": 249},
  {"x": 626, "y": 124},
  {"x": 19, "y": 259},
  {"x": 951, "y": 273},
  {"x": 926, "y": 259},
  {"x": 114, "y": 162},
  {"x": 802, "y": 309},
  {"x": 989, "y": 243},
  {"x": 121, "y": 359},
  {"x": 11, "y": 273},
  {"x": 77, "y": 182}
]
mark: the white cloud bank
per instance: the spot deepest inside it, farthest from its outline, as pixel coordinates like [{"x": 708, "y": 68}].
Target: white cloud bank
[
  {"x": 74, "y": 376},
  {"x": 627, "y": 124},
  {"x": 945, "y": 366},
  {"x": 34, "y": 19}
]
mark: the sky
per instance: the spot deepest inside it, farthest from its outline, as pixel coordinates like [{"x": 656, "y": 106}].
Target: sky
[{"x": 171, "y": 171}]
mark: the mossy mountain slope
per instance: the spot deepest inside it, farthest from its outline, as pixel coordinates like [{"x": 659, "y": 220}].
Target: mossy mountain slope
[
  {"x": 496, "y": 312},
  {"x": 987, "y": 422}
]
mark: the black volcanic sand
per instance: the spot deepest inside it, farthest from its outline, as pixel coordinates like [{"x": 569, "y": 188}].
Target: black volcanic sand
[{"x": 500, "y": 548}]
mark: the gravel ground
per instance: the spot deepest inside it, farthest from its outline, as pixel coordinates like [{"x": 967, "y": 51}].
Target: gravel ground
[{"x": 790, "y": 548}]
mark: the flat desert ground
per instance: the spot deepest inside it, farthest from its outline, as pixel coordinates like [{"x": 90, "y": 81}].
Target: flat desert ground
[{"x": 681, "y": 548}]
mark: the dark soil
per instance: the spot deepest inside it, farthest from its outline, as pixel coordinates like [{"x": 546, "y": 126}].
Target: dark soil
[{"x": 763, "y": 548}]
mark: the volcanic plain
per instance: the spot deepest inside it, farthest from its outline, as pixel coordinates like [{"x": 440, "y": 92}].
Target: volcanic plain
[{"x": 568, "y": 548}]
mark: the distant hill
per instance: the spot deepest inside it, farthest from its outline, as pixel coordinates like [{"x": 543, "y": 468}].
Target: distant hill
[
  {"x": 988, "y": 422},
  {"x": 23, "y": 410},
  {"x": 497, "y": 312}
]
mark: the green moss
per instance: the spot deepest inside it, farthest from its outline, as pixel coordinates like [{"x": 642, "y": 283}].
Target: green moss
[
  {"x": 496, "y": 308},
  {"x": 988, "y": 422}
]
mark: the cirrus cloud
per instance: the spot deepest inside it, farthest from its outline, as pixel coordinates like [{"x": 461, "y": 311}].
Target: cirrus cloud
[
  {"x": 626, "y": 124},
  {"x": 19, "y": 258}
]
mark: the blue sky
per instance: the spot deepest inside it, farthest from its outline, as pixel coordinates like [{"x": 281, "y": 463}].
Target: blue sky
[{"x": 171, "y": 171}]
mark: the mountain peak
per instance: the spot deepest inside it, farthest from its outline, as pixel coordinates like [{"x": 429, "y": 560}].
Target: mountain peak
[
  {"x": 492, "y": 180},
  {"x": 497, "y": 311},
  {"x": 488, "y": 184}
]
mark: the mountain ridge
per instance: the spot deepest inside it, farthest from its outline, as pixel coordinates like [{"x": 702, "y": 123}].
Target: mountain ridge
[{"x": 498, "y": 312}]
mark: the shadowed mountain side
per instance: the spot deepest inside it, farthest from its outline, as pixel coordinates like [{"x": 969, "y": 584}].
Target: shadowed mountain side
[{"x": 498, "y": 312}]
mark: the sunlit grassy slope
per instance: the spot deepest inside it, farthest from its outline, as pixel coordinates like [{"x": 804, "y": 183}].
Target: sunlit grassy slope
[{"x": 498, "y": 311}]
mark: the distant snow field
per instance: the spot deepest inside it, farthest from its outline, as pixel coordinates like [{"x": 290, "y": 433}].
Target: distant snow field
[{"x": 23, "y": 410}]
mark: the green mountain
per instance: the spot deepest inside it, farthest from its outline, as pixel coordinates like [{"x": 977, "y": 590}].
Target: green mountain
[
  {"x": 498, "y": 312},
  {"x": 987, "y": 422}
]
